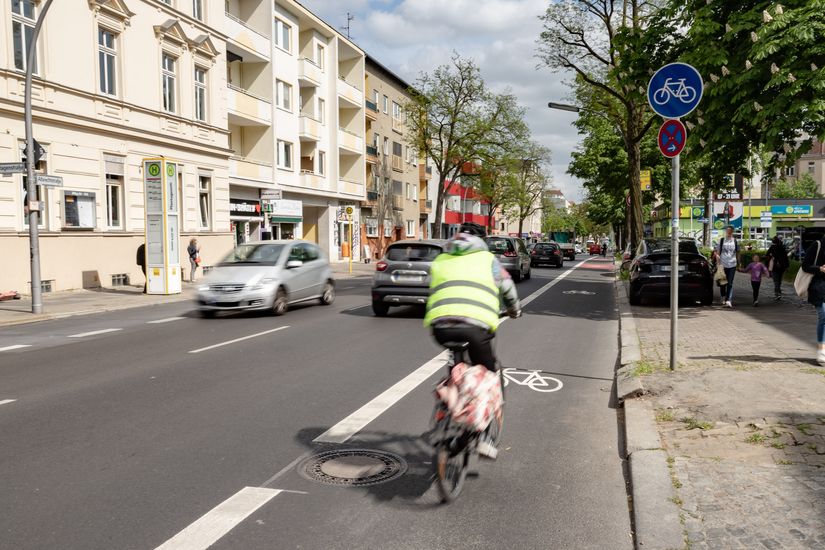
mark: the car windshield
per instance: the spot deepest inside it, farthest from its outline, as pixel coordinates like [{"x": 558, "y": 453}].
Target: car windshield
[
  {"x": 498, "y": 245},
  {"x": 413, "y": 253},
  {"x": 254, "y": 254},
  {"x": 541, "y": 247},
  {"x": 660, "y": 246}
]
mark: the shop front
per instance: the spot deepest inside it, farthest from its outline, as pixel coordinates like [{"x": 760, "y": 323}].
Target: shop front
[
  {"x": 245, "y": 219},
  {"x": 286, "y": 220}
]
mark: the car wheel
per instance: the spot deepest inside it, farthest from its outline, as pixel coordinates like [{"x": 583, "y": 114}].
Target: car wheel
[
  {"x": 561, "y": 264},
  {"x": 529, "y": 273},
  {"x": 634, "y": 298},
  {"x": 328, "y": 295},
  {"x": 380, "y": 309},
  {"x": 207, "y": 313},
  {"x": 517, "y": 276},
  {"x": 280, "y": 304}
]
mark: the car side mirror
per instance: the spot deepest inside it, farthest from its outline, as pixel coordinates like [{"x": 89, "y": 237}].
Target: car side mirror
[{"x": 292, "y": 264}]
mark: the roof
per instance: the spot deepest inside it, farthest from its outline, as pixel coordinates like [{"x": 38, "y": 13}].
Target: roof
[{"x": 383, "y": 68}]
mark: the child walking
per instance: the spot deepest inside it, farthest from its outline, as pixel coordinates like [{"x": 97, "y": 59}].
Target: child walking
[{"x": 757, "y": 269}]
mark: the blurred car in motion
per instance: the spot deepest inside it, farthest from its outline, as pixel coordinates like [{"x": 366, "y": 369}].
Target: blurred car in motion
[
  {"x": 512, "y": 254},
  {"x": 268, "y": 275},
  {"x": 650, "y": 272},
  {"x": 402, "y": 276},
  {"x": 547, "y": 253}
]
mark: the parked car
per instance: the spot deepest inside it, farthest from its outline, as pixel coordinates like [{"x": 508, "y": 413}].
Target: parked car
[
  {"x": 594, "y": 248},
  {"x": 650, "y": 272},
  {"x": 402, "y": 277},
  {"x": 513, "y": 255},
  {"x": 270, "y": 275},
  {"x": 547, "y": 253}
]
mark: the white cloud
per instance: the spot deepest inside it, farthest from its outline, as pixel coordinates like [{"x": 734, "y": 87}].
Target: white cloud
[{"x": 411, "y": 36}]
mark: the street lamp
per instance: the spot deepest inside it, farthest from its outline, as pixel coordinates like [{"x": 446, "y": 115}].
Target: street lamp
[{"x": 564, "y": 107}]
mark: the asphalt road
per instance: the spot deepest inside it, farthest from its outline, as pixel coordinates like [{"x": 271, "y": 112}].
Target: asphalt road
[{"x": 178, "y": 432}]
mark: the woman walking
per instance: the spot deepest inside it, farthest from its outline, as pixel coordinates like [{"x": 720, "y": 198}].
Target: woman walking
[
  {"x": 194, "y": 251},
  {"x": 729, "y": 258},
  {"x": 779, "y": 263},
  {"x": 814, "y": 263}
]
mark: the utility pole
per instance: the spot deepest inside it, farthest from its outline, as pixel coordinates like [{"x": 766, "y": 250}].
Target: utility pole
[{"x": 31, "y": 184}]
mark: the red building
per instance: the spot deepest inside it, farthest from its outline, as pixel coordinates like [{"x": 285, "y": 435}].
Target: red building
[{"x": 464, "y": 204}]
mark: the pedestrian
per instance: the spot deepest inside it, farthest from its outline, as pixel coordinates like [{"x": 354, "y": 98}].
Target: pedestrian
[
  {"x": 814, "y": 263},
  {"x": 779, "y": 263},
  {"x": 729, "y": 258},
  {"x": 194, "y": 251},
  {"x": 757, "y": 269},
  {"x": 141, "y": 261}
]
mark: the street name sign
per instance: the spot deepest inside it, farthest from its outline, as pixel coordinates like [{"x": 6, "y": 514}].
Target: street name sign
[
  {"x": 675, "y": 90},
  {"x": 48, "y": 181},
  {"x": 7, "y": 168},
  {"x": 672, "y": 138}
]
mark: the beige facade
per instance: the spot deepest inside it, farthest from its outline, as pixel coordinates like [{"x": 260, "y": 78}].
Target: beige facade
[
  {"x": 811, "y": 163},
  {"x": 396, "y": 205},
  {"x": 100, "y": 106}
]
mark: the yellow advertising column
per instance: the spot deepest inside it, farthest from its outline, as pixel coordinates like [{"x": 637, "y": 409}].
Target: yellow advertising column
[{"x": 160, "y": 184}]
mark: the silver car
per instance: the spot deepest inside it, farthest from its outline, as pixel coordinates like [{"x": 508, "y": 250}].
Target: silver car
[
  {"x": 402, "y": 277},
  {"x": 269, "y": 275},
  {"x": 513, "y": 255}
]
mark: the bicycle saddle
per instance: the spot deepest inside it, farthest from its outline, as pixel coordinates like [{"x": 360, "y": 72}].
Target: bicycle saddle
[{"x": 456, "y": 346}]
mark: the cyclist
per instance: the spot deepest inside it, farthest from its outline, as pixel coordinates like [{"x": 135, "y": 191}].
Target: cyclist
[{"x": 467, "y": 288}]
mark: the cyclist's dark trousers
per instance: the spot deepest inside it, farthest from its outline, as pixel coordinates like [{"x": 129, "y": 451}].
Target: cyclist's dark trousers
[{"x": 480, "y": 340}]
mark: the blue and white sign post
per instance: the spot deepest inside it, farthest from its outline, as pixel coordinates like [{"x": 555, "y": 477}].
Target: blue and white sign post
[{"x": 674, "y": 91}]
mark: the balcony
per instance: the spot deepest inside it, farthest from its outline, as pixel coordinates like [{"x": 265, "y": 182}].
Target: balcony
[
  {"x": 350, "y": 143},
  {"x": 397, "y": 163},
  {"x": 371, "y": 110},
  {"x": 424, "y": 173},
  {"x": 309, "y": 73},
  {"x": 347, "y": 93},
  {"x": 311, "y": 180},
  {"x": 425, "y": 207},
  {"x": 247, "y": 109},
  {"x": 249, "y": 169},
  {"x": 397, "y": 202},
  {"x": 372, "y": 198},
  {"x": 243, "y": 39},
  {"x": 372, "y": 154},
  {"x": 350, "y": 187},
  {"x": 309, "y": 129}
]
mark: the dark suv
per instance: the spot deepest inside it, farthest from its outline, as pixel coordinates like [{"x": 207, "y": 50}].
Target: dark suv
[
  {"x": 547, "y": 253},
  {"x": 402, "y": 277}
]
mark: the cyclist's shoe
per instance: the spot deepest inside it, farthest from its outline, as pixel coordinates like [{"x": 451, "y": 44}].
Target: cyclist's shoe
[{"x": 486, "y": 448}]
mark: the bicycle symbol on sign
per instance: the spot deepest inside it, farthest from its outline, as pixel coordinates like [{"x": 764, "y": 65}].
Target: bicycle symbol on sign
[
  {"x": 533, "y": 379},
  {"x": 674, "y": 88}
]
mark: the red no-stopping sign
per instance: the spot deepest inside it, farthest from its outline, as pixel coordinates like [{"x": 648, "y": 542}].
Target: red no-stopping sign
[{"x": 672, "y": 138}]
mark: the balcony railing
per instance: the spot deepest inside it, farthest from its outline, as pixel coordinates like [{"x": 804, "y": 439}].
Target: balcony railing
[
  {"x": 371, "y": 105},
  {"x": 397, "y": 202},
  {"x": 372, "y": 151},
  {"x": 372, "y": 196},
  {"x": 243, "y": 23},
  {"x": 397, "y": 163}
]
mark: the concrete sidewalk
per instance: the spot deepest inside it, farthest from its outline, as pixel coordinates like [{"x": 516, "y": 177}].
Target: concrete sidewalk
[
  {"x": 68, "y": 303},
  {"x": 742, "y": 419}
]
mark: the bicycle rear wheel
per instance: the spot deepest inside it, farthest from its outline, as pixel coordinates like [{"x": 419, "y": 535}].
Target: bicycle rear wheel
[
  {"x": 450, "y": 471},
  {"x": 497, "y": 425}
]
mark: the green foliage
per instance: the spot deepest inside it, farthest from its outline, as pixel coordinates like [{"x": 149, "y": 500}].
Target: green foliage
[{"x": 804, "y": 187}]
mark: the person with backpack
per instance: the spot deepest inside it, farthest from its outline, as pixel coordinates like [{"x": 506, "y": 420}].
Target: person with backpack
[
  {"x": 814, "y": 264},
  {"x": 778, "y": 264},
  {"x": 729, "y": 258}
]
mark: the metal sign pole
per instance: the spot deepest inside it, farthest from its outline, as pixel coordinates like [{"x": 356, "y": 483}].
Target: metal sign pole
[{"x": 674, "y": 262}]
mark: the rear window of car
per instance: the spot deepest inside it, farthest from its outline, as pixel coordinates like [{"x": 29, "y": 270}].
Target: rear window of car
[
  {"x": 498, "y": 245},
  {"x": 660, "y": 246},
  {"x": 545, "y": 247},
  {"x": 413, "y": 253}
]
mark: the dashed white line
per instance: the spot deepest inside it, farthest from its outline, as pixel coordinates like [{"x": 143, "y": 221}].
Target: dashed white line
[
  {"x": 207, "y": 348},
  {"x": 221, "y": 519},
  {"x": 167, "y": 320},
  {"x": 16, "y": 346},
  {"x": 6, "y": 401},
  {"x": 355, "y": 308},
  {"x": 94, "y": 332}
]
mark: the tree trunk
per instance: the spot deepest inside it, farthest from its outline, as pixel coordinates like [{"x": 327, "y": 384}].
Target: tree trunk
[
  {"x": 520, "y": 226},
  {"x": 635, "y": 210},
  {"x": 439, "y": 205},
  {"x": 708, "y": 216}
]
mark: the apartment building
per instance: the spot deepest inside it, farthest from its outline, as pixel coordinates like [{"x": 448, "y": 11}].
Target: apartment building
[
  {"x": 296, "y": 126},
  {"x": 462, "y": 203},
  {"x": 811, "y": 163},
  {"x": 116, "y": 81},
  {"x": 396, "y": 205}
]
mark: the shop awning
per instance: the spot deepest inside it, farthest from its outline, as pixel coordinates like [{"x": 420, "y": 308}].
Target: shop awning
[{"x": 285, "y": 219}]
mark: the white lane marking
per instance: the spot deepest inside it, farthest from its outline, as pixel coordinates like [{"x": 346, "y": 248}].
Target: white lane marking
[
  {"x": 167, "y": 320},
  {"x": 94, "y": 332},
  {"x": 355, "y": 308},
  {"x": 355, "y": 422},
  {"x": 221, "y": 519},
  {"x": 207, "y": 348},
  {"x": 7, "y": 401},
  {"x": 16, "y": 346}
]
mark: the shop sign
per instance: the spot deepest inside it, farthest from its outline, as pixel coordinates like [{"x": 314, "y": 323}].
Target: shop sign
[
  {"x": 244, "y": 207},
  {"x": 792, "y": 210},
  {"x": 288, "y": 208}
]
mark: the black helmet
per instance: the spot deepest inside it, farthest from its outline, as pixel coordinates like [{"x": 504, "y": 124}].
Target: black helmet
[{"x": 473, "y": 229}]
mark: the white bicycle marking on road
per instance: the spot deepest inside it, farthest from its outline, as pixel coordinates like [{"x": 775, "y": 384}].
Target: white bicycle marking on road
[{"x": 533, "y": 379}]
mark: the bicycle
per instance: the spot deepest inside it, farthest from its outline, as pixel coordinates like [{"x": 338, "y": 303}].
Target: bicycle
[
  {"x": 677, "y": 89},
  {"x": 454, "y": 443}
]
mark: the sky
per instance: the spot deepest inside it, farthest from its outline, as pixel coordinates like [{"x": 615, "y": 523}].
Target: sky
[{"x": 415, "y": 36}]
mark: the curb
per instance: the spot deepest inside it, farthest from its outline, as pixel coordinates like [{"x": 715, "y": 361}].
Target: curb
[{"x": 656, "y": 516}]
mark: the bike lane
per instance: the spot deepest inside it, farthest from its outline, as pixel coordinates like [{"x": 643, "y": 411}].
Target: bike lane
[{"x": 558, "y": 481}]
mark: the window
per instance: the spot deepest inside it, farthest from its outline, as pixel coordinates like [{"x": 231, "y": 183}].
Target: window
[
  {"x": 322, "y": 110},
  {"x": 197, "y": 9},
  {"x": 107, "y": 59},
  {"x": 22, "y": 28},
  {"x": 283, "y": 33},
  {"x": 396, "y": 111},
  {"x": 386, "y": 104},
  {"x": 387, "y": 228},
  {"x": 200, "y": 94},
  {"x": 114, "y": 167},
  {"x": 283, "y": 95},
  {"x": 78, "y": 210},
  {"x": 204, "y": 202},
  {"x": 375, "y": 98},
  {"x": 811, "y": 167},
  {"x": 371, "y": 226},
  {"x": 386, "y": 146},
  {"x": 284, "y": 154},
  {"x": 409, "y": 191},
  {"x": 319, "y": 55},
  {"x": 322, "y": 162},
  {"x": 168, "y": 76},
  {"x": 410, "y": 228},
  {"x": 790, "y": 171},
  {"x": 376, "y": 142}
]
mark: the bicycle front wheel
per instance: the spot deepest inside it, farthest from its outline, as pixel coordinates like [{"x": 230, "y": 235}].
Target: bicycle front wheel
[{"x": 450, "y": 471}]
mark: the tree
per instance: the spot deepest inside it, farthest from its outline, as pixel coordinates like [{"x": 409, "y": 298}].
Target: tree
[
  {"x": 527, "y": 183},
  {"x": 453, "y": 118},
  {"x": 804, "y": 187},
  {"x": 611, "y": 45}
]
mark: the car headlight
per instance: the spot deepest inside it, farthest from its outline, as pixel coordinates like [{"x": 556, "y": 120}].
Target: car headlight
[{"x": 262, "y": 284}]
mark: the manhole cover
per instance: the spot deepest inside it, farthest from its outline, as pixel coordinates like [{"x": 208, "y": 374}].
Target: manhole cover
[{"x": 353, "y": 467}]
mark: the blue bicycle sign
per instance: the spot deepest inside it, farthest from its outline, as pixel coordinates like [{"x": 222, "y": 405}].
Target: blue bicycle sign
[{"x": 675, "y": 90}]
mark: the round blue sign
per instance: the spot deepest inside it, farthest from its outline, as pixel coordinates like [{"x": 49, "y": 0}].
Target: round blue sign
[{"x": 675, "y": 90}]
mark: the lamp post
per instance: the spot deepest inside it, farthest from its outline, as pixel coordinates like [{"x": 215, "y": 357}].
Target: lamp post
[{"x": 31, "y": 185}]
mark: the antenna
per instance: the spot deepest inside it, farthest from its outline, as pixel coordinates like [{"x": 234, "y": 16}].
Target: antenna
[{"x": 348, "y": 27}]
